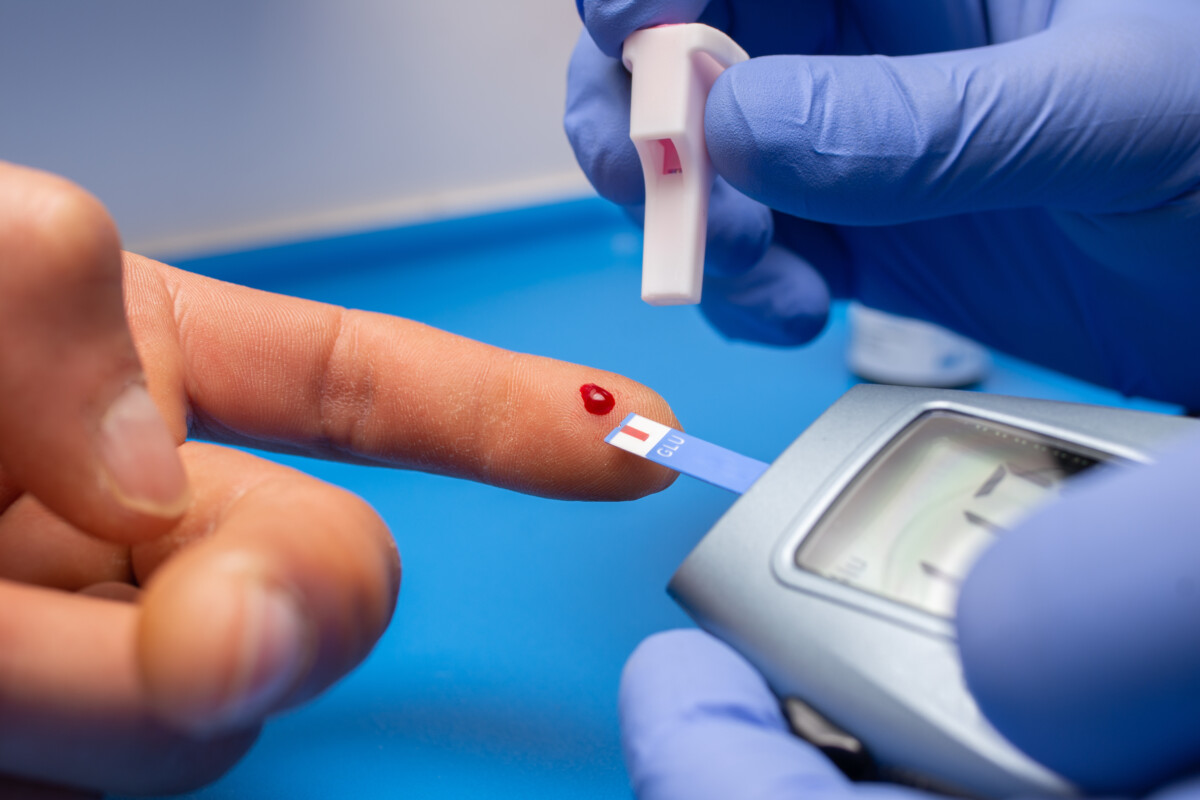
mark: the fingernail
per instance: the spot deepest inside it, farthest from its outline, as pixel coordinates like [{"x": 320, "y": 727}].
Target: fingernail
[
  {"x": 274, "y": 655},
  {"x": 139, "y": 457}
]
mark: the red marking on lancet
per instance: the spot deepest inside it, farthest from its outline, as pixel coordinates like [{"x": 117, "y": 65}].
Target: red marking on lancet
[
  {"x": 629, "y": 430},
  {"x": 596, "y": 399},
  {"x": 671, "y": 163}
]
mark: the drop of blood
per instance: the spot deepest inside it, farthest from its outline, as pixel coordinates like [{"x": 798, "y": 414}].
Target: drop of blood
[{"x": 596, "y": 399}]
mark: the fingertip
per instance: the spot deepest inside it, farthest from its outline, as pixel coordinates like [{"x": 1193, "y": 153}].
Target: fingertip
[
  {"x": 827, "y": 138},
  {"x": 609, "y": 23},
  {"x": 672, "y": 673},
  {"x": 635, "y": 477},
  {"x": 139, "y": 460},
  {"x": 74, "y": 706},
  {"x": 289, "y": 592},
  {"x": 221, "y": 651},
  {"x": 881, "y": 140},
  {"x": 596, "y": 122},
  {"x": 589, "y": 469},
  {"x": 600, "y": 30},
  {"x": 59, "y": 221},
  {"x": 77, "y": 428},
  {"x": 1091, "y": 670},
  {"x": 698, "y": 721},
  {"x": 745, "y": 105}
]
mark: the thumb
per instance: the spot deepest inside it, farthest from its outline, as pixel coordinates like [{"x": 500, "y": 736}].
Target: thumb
[
  {"x": 697, "y": 722},
  {"x": 1077, "y": 628},
  {"x": 78, "y": 429},
  {"x": 1094, "y": 116}
]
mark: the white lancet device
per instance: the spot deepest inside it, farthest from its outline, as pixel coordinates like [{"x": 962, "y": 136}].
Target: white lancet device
[
  {"x": 673, "y": 68},
  {"x": 837, "y": 572}
]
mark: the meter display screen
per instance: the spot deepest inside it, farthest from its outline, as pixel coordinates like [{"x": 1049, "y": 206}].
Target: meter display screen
[{"x": 912, "y": 523}]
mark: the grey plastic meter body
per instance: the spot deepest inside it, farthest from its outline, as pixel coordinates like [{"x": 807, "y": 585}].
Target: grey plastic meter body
[{"x": 836, "y": 574}]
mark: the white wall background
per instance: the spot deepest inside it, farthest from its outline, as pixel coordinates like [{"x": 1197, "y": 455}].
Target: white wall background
[{"x": 213, "y": 124}]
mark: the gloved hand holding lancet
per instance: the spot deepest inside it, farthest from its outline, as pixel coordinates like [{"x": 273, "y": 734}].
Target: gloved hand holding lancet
[{"x": 673, "y": 68}]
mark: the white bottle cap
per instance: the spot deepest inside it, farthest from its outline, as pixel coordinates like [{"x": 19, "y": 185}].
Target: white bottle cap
[{"x": 673, "y": 68}]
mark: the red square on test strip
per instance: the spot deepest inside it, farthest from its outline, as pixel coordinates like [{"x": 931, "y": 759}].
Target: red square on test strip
[{"x": 635, "y": 433}]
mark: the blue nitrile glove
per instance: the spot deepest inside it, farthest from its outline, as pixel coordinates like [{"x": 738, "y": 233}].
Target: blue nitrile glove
[
  {"x": 1080, "y": 638},
  {"x": 1039, "y": 194}
]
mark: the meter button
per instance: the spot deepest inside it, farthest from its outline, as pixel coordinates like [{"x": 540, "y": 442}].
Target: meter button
[{"x": 846, "y": 752}]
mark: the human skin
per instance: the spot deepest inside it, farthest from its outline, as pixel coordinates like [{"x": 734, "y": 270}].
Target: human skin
[{"x": 154, "y": 611}]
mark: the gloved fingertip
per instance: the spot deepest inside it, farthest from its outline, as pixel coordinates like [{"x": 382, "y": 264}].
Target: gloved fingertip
[
  {"x": 610, "y": 22},
  {"x": 606, "y": 26},
  {"x": 596, "y": 121},
  {"x": 670, "y": 672},
  {"x": 781, "y": 301},
  {"x": 745, "y": 106},
  {"x": 698, "y": 721},
  {"x": 1075, "y": 629}
]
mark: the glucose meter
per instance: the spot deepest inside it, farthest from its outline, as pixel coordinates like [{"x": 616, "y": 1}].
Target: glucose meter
[{"x": 837, "y": 571}]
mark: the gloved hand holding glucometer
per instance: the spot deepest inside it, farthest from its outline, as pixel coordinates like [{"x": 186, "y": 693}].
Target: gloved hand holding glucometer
[{"x": 1024, "y": 173}]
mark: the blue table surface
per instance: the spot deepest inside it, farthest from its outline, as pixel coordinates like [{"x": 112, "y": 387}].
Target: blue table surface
[{"x": 498, "y": 675}]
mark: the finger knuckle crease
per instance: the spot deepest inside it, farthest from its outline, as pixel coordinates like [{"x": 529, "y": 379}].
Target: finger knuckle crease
[{"x": 346, "y": 389}]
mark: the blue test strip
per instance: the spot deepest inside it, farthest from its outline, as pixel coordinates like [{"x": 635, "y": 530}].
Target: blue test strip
[{"x": 685, "y": 453}]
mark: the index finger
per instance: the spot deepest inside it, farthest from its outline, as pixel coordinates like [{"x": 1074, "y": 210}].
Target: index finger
[{"x": 253, "y": 368}]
